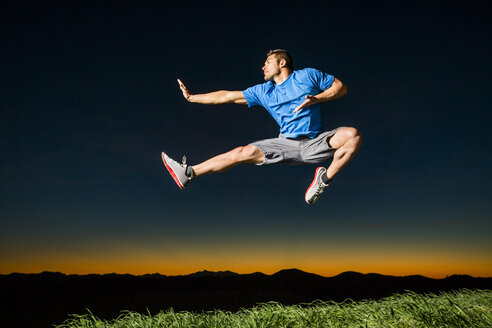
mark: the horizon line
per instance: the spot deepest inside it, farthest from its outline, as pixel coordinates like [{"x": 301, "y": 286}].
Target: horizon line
[{"x": 205, "y": 271}]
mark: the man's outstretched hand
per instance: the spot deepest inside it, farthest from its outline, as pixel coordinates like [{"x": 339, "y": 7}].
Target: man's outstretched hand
[
  {"x": 186, "y": 92},
  {"x": 310, "y": 100}
]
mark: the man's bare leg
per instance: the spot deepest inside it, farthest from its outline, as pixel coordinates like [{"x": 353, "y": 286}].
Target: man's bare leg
[
  {"x": 347, "y": 141},
  {"x": 223, "y": 162}
]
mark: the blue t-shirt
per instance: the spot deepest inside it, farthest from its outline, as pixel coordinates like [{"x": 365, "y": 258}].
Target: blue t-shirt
[{"x": 281, "y": 100}]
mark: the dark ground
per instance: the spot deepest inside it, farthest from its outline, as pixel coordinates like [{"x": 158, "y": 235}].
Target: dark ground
[{"x": 41, "y": 300}]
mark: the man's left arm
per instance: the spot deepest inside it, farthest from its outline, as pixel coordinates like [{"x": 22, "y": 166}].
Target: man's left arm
[{"x": 336, "y": 90}]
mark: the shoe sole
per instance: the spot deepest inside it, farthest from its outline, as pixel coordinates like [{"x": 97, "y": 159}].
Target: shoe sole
[
  {"x": 171, "y": 171},
  {"x": 316, "y": 174}
]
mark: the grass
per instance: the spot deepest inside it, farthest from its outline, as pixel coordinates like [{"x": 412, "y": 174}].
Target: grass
[{"x": 464, "y": 308}]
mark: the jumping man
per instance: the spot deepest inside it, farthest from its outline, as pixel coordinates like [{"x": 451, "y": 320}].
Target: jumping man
[{"x": 293, "y": 99}]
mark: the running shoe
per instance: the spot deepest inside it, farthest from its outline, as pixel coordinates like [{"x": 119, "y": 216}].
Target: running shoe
[
  {"x": 317, "y": 187},
  {"x": 177, "y": 170}
]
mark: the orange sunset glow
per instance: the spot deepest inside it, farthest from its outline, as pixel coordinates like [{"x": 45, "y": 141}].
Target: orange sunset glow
[{"x": 138, "y": 261}]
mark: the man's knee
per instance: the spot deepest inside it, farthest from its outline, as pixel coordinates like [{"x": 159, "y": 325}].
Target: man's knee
[
  {"x": 355, "y": 138},
  {"x": 350, "y": 132},
  {"x": 251, "y": 154},
  {"x": 346, "y": 137},
  {"x": 246, "y": 153}
]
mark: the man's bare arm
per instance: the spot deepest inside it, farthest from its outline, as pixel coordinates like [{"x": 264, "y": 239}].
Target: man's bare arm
[
  {"x": 213, "y": 98},
  {"x": 337, "y": 90}
]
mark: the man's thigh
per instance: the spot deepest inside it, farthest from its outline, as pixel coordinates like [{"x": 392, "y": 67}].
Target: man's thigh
[
  {"x": 279, "y": 150},
  {"x": 318, "y": 150}
]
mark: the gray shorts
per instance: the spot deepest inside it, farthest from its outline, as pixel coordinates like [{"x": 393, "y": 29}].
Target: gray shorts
[{"x": 296, "y": 151}]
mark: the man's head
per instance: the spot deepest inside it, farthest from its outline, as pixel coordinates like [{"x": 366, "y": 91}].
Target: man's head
[{"x": 277, "y": 60}]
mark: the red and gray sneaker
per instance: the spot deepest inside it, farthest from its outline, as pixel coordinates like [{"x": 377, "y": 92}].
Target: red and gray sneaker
[
  {"x": 317, "y": 187},
  {"x": 178, "y": 170}
]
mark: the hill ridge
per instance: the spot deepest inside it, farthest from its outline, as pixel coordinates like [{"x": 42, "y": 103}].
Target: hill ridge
[{"x": 204, "y": 273}]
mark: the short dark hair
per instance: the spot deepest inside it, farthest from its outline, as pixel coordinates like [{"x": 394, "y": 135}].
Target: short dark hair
[{"x": 282, "y": 54}]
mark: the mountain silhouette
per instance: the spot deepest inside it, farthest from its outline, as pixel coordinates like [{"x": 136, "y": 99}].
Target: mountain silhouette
[
  {"x": 295, "y": 273},
  {"x": 40, "y": 300},
  {"x": 206, "y": 273}
]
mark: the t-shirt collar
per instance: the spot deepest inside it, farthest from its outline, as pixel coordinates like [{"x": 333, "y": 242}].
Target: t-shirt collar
[{"x": 279, "y": 85}]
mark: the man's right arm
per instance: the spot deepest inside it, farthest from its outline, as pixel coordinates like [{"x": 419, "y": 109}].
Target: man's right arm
[{"x": 214, "y": 98}]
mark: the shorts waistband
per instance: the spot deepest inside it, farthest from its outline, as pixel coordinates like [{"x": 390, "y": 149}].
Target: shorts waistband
[{"x": 303, "y": 137}]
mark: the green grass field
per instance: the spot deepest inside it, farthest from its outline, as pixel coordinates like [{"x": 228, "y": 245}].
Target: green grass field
[{"x": 465, "y": 308}]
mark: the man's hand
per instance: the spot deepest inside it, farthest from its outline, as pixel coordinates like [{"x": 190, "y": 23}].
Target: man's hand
[
  {"x": 336, "y": 90},
  {"x": 186, "y": 92},
  {"x": 310, "y": 100}
]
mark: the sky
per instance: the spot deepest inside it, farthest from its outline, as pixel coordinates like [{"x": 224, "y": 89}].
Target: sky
[{"x": 89, "y": 99}]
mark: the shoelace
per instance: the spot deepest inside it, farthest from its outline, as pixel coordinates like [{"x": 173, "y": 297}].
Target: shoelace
[
  {"x": 185, "y": 166},
  {"x": 321, "y": 188}
]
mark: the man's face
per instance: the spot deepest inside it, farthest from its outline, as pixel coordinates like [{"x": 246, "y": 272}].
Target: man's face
[{"x": 271, "y": 68}]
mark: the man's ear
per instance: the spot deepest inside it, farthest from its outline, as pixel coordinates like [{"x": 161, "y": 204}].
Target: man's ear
[{"x": 282, "y": 63}]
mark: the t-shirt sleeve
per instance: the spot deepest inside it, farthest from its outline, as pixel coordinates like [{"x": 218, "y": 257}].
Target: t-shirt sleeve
[
  {"x": 251, "y": 95},
  {"x": 320, "y": 80}
]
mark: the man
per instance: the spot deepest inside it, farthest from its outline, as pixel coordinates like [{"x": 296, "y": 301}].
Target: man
[{"x": 292, "y": 98}]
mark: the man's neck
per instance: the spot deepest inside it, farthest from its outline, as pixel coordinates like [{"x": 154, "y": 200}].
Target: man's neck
[{"x": 284, "y": 74}]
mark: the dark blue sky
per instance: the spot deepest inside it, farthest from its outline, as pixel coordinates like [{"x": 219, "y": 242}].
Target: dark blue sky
[{"x": 89, "y": 99}]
